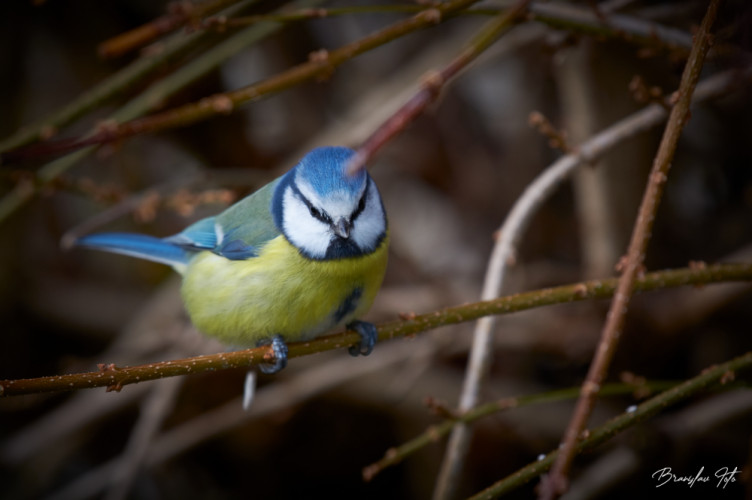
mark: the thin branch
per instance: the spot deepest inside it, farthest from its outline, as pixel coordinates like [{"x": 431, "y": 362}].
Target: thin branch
[
  {"x": 570, "y": 18},
  {"x": 179, "y": 14},
  {"x": 718, "y": 374},
  {"x": 433, "y": 434},
  {"x": 23, "y": 191},
  {"x": 556, "y": 483},
  {"x": 323, "y": 63},
  {"x": 432, "y": 85},
  {"x": 631, "y": 28},
  {"x": 320, "y": 63},
  {"x": 112, "y": 86},
  {"x": 536, "y": 193},
  {"x": 218, "y": 104},
  {"x": 154, "y": 409},
  {"x": 556, "y": 15},
  {"x": 220, "y": 22},
  {"x": 125, "y": 206},
  {"x": 115, "y": 378},
  {"x": 141, "y": 104},
  {"x": 272, "y": 398}
]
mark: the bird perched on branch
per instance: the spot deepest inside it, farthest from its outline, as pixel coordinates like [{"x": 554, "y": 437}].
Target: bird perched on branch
[{"x": 302, "y": 255}]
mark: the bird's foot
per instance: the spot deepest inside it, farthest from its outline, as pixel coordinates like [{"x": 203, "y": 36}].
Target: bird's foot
[
  {"x": 368, "y": 336},
  {"x": 279, "y": 348}
]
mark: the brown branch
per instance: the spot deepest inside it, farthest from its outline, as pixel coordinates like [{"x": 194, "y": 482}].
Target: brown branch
[
  {"x": 321, "y": 63},
  {"x": 179, "y": 13},
  {"x": 433, "y": 83},
  {"x": 714, "y": 375},
  {"x": 115, "y": 378},
  {"x": 556, "y": 483},
  {"x": 436, "y": 432}
]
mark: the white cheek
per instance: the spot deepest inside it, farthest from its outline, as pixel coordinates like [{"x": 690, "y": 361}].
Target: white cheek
[
  {"x": 371, "y": 224},
  {"x": 304, "y": 231}
]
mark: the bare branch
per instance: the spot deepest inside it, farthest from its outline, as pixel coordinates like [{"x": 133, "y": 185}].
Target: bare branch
[
  {"x": 115, "y": 378},
  {"x": 556, "y": 483}
]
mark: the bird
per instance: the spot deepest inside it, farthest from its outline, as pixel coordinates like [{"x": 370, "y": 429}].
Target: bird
[{"x": 297, "y": 258}]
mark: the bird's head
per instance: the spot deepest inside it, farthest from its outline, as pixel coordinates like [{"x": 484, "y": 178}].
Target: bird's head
[{"x": 326, "y": 213}]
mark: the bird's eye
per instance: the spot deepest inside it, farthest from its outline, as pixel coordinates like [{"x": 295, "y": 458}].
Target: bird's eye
[{"x": 318, "y": 214}]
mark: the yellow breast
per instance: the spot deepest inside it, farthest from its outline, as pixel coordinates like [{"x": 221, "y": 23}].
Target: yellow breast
[{"x": 279, "y": 292}]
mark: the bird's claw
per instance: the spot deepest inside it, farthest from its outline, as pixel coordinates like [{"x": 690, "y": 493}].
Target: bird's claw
[
  {"x": 279, "y": 348},
  {"x": 368, "y": 336}
]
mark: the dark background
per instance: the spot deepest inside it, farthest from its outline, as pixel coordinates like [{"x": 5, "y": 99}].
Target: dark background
[{"x": 448, "y": 182}]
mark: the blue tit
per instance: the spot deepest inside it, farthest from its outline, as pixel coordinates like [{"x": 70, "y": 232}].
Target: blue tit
[{"x": 301, "y": 256}]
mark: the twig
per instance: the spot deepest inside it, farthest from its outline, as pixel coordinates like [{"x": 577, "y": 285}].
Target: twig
[
  {"x": 179, "y": 14},
  {"x": 64, "y": 420},
  {"x": 710, "y": 376},
  {"x": 510, "y": 233},
  {"x": 676, "y": 429},
  {"x": 219, "y": 22},
  {"x": 221, "y": 103},
  {"x": 320, "y": 63},
  {"x": 433, "y": 83},
  {"x": 615, "y": 25},
  {"x": 115, "y": 378},
  {"x": 567, "y": 17},
  {"x": 111, "y": 87},
  {"x": 556, "y": 484},
  {"x": 138, "y": 106},
  {"x": 154, "y": 409},
  {"x": 272, "y": 398},
  {"x": 393, "y": 456},
  {"x": 125, "y": 206},
  {"x": 160, "y": 91}
]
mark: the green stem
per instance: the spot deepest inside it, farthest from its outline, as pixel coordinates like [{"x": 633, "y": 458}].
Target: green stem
[
  {"x": 111, "y": 87},
  {"x": 433, "y": 83},
  {"x": 143, "y": 103},
  {"x": 711, "y": 376},
  {"x": 396, "y": 455},
  {"x": 170, "y": 21},
  {"x": 220, "y": 103},
  {"x": 115, "y": 378}
]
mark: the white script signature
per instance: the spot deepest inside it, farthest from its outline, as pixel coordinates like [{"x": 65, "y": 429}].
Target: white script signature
[{"x": 722, "y": 476}]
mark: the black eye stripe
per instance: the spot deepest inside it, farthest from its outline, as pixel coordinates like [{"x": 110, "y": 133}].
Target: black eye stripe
[
  {"x": 315, "y": 212},
  {"x": 325, "y": 217}
]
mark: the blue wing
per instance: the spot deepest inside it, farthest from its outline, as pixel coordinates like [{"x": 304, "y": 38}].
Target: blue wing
[
  {"x": 201, "y": 235},
  {"x": 238, "y": 233},
  {"x": 138, "y": 245}
]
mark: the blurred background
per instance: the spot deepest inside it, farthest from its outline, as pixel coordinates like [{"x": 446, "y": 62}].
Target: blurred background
[{"x": 447, "y": 181}]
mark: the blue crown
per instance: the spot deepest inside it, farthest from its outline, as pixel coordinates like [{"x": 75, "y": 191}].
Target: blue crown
[{"x": 324, "y": 170}]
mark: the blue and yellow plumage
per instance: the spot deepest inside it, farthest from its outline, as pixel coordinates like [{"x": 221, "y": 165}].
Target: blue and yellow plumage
[{"x": 302, "y": 255}]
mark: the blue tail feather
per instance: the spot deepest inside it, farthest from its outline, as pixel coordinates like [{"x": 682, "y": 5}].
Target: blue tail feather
[{"x": 137, "y": 245}]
